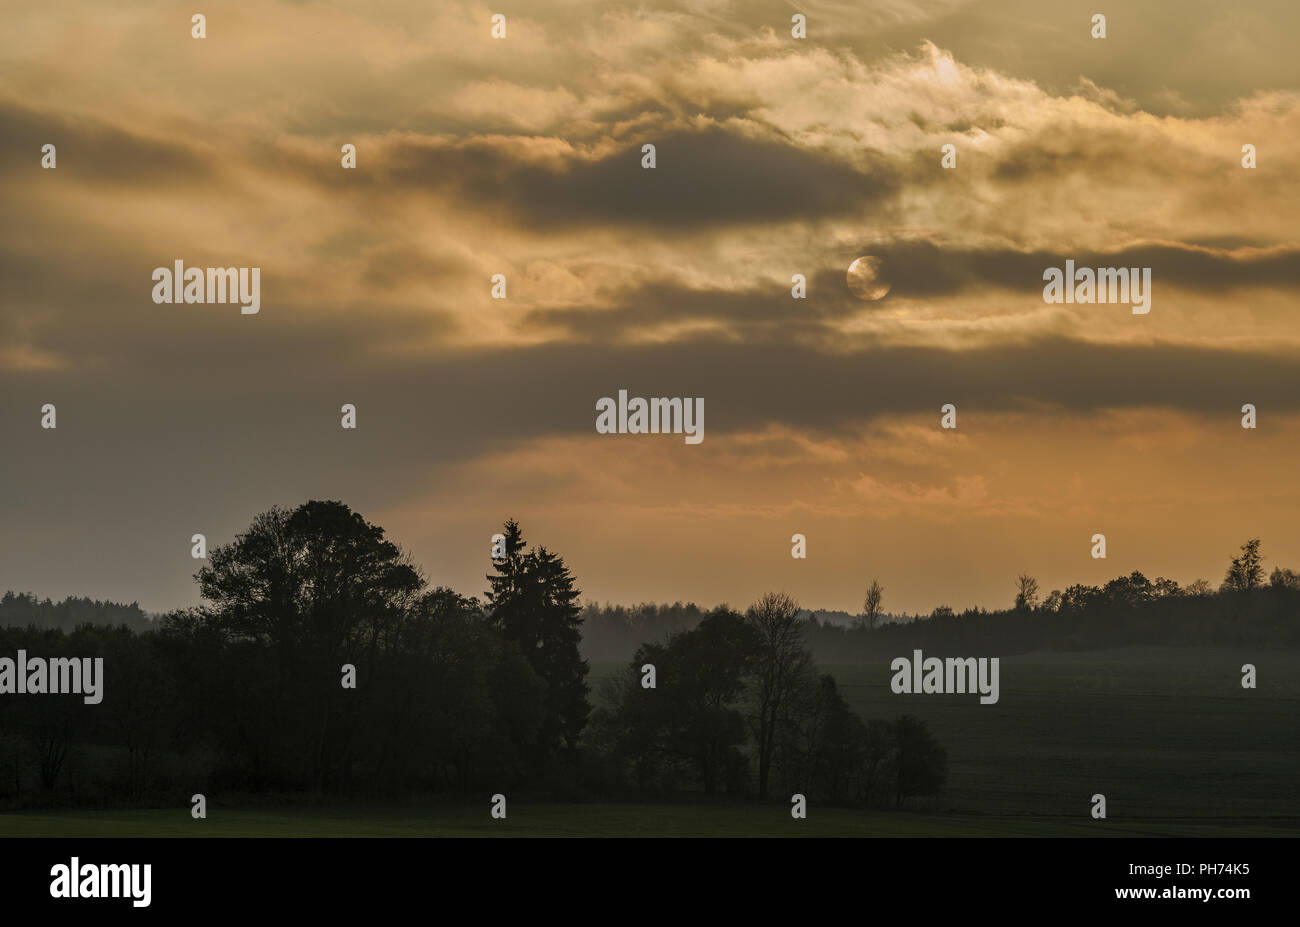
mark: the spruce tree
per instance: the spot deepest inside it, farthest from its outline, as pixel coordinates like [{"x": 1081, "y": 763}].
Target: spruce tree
[{"x": 534, "y": 603}]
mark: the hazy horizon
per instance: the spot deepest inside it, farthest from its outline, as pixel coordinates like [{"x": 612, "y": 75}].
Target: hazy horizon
[{"x": 587, "y": 600}]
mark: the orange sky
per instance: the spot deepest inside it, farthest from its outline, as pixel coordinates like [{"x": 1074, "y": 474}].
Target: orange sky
[{"x": 775, "y": 157}]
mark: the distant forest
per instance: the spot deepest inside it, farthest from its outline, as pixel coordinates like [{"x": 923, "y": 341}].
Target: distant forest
[
  {"x": 321, "y": 665},
  {"x": 23, "y": 609},
  {"x": 1250, "y": 606}
]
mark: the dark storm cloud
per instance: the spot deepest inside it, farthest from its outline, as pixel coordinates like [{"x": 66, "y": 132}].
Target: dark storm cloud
[
  {"x": 418, "y": 413},
  {"x": 923, "y": 268},
  {"x": 706, "y": 178},
  {"x": 92, "y": 150},
  {"x": 748, "y": 385},
  {"x": 757, "y": 310},
  {"x": 102, "y": 322}
]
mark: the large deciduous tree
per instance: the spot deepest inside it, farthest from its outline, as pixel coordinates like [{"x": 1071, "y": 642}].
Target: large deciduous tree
[
  {"x": 692, "y": 717},
  {"x": 1247, "y": 571},
  {"x": 780, "y": 669},
  {"x": 305, "y": 591}
]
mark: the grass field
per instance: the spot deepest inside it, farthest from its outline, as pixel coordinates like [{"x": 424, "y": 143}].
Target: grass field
[
  {"x": 599, "y": 819},
  {"x": 1160, "y": 731},
  {"x": 1166, "y": 734}
]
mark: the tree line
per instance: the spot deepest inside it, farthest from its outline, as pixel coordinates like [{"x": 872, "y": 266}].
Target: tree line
[
  {"x": 322, "y": 664},
  {"x": 22, "y": 609},
  {"x": 1251, "y": 605}
]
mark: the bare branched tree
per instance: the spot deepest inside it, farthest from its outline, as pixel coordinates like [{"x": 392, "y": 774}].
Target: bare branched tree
[
  {"x": 1027, "y": 594},
  {"x": 782, "y": 664},
  {"x": 871, "y": 609}
]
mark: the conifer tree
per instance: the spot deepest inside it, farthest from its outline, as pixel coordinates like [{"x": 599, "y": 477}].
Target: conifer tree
[{"x": 534, "y": 603}]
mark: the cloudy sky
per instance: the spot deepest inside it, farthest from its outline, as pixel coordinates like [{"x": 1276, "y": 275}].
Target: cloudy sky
[{"x": 775, "y": 156}]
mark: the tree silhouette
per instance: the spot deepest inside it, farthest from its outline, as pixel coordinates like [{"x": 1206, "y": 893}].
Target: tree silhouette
[
  {"x": 1247, "y": 571},
  {"x": 782, "y": 663},
  {"x": 871, "y": 605},
  {"x": 1283, "y": 578},
  {"x": 1027, "y": 592},
  {"x": 692, "y": 716},
  {"x": 534, "y": 603},
  {"x": 316, "y": 587}
]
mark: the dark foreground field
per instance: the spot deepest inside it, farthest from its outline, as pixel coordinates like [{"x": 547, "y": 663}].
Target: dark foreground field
[
  {"x": 1162, "y": 732},
  {"x": 1166, "y": 734},
  {"x": 1159, "y": 731},
  {"x": 605, "y": 820}
]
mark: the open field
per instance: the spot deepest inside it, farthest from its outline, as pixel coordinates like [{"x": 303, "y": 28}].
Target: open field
[
  {"x": 1160, "y": 731},
  {"x": 602, "y": 820}
]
